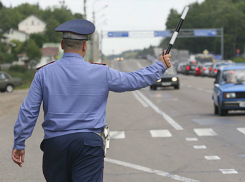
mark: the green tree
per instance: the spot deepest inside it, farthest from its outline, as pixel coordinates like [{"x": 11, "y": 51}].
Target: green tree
[
  {"x": 16, "y": 49},
  {"x": 39, "y": 39},
  {"x": 50, "y": 33},
  {"x": 229, "y": 14},
  {"x": 32, "y": 50},
  {"x": 1, "y": 5}
]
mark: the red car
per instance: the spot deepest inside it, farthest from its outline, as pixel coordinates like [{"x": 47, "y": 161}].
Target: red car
[{"x": 198, "y": 70}]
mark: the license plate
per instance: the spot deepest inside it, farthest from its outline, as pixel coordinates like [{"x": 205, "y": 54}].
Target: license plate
[
  {"x": 242, "y": 104},
  {"x": 166, "y": 84},
  {"x": 193, "y": 67}
]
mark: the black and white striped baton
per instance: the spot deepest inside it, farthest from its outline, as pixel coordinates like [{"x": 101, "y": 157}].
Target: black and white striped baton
[{"x": 171, "y": 43}]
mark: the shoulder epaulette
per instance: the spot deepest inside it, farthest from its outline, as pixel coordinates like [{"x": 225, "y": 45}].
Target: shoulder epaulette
[
  {"x": 44, "y": 65},
  {"x": 98, "y": 63}
]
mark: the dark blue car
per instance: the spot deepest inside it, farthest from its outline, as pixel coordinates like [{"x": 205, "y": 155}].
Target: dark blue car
[{"x": 229, "y": 89}]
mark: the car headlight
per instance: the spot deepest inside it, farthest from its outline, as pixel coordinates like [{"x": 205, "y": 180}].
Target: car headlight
[
  {"x": 174, "y": 79},
  {"x": 159, "y": 80},
  {"x": 229, "y": 95}
]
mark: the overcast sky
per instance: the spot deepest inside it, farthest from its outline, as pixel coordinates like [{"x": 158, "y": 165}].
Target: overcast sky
[{"x": 120, "y": 15}]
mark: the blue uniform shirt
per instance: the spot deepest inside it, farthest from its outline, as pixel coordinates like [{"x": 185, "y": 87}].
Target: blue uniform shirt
[{"x": 74, "y": 94}]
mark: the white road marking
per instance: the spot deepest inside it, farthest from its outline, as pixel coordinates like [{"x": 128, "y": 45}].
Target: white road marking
[
  {"x": 205, "y": 132},
  {"x": 117, "y": 134},
  {"x": 152, "y": 171},
  {"x": 228, "y": 171},
  {"x": 140, "y": 100},
  {"x": 191, "y": 139},
  {"x": 199, "y": 147},
  {"x": 242, "y": 130},
  {"x": 160, "y": 133},
  {"x": 112, "y": 64},
  {"x": 200, "y": 89},
  {"x": 212, "y": 157},
  {"x": 164, "y": 115},
  {"x": 208, "y": 91},
  {"x": 140, "y": 65}
]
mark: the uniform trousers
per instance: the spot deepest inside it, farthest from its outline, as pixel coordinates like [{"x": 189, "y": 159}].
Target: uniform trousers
[{"x": 77, "y": 157}]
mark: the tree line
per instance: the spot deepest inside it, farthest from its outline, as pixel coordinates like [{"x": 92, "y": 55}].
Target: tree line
[
  {"x": 229, "y": 14},
  {"x": 10, "y": 17}
]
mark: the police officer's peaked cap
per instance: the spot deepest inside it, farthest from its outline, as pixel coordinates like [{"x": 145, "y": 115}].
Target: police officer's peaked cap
[{"x": 76, "y": 29}]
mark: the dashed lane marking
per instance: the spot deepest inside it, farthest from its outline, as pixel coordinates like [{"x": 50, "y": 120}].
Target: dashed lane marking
[
  {"x": 212, "y": 157},
  {"x": 149, "y": 170},
  {"x": 199, "y": 147},
  {"x": 205, "y": 132},
  {"x": 160, "y": 133},
  {"x": 191, "y": 139},
  {"x": 228, "y": 171},
  {"x": 117, "y": 134},
  {"x": 164, "y": 115}
]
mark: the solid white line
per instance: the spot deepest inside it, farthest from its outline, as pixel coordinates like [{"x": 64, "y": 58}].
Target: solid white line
[
  {"x": 112, "y": 64},
  {"x": 205, "y": 132},
  {"x": 160, "y": 133},
  {"x": 164, "y": 115},
  {"x": 149, "y": 170},
  {"x": 200, "y": 89},
  {"x": 117, "y": 134},
  {"x": 140, "y": 65},
  {"x": 208, "y": 91},
  {"x": 140, "y": 100}
]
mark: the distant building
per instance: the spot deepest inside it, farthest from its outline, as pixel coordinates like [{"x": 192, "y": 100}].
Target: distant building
[
  {"x": 61, "y": 52},
  {"x": 22, "y": 59},
  {"x": 14, "y": 34},
  {"x": 48, "y": 54},
  {"x": 32, "y": 24}
]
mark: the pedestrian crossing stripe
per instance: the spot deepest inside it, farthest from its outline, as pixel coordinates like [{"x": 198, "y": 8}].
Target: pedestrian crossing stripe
[
  {"x": 160, "y": 133},
  {"x": 117, "y": 134},
  {"x": 205, "y": 132}
]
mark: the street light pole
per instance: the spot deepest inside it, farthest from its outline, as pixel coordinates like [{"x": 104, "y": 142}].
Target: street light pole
[{"x": 84, "y": 6}]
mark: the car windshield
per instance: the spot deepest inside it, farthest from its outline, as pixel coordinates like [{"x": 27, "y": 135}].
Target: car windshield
[
  {"x": 170, "y": 71},
  {"x": 236, "y": 76}
]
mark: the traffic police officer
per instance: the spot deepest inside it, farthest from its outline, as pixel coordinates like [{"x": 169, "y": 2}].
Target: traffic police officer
[{"x": 74, "y": 95}]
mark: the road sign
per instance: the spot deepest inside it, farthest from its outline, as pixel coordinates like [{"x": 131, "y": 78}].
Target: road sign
[
  {"x": 165, "y": 33},
  {"x": 217, "y": 57},
  {"x": 205, "y": 33},
  {"x": 118, "y": 34}
]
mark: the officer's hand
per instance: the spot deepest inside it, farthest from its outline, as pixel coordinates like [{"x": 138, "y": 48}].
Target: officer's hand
[
  {"x": 165, "y": 59},
  {"x": 18, "y": 156}
]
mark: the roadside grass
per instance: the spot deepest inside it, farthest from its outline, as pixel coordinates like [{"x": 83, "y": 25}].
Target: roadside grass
[{"x": 26, "y": 77}]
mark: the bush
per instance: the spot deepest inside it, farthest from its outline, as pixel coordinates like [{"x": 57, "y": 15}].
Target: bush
[
  {"x": 17, "y": 68},
  {"x": 238, "y": 60},
  {"x": 26, "y": 78}
]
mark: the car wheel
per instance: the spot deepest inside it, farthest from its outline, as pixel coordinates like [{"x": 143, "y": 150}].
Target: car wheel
[
  {"x": 216, "y": 109},
  {"x": 154, "y": 87},
  {"x": 222, "y": 112},
  {"x": 176, "y": 87},
  {"x": 9, "y": 88}
]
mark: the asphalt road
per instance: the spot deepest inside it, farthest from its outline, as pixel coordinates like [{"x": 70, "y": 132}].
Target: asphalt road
[{"x": 165, "y": 135}]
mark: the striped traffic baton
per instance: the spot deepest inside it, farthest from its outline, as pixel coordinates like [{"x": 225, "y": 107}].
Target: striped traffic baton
[{"x": 171, "y": 43}]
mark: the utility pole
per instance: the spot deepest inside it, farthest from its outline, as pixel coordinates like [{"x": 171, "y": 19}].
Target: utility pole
[{"x": 85, "y": 14}]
